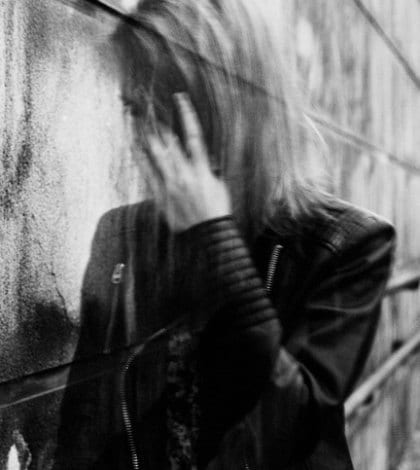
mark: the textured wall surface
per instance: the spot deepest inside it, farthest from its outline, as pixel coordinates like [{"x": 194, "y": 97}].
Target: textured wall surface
[
  {"x": 357, "y": 84},
  {"x": 64, "y": 163},
  {"x": 66, "y": 160},
  {"x": 367, "y": 97}
]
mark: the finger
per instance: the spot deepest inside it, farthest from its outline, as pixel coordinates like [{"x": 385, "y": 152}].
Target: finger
[
  {"x": 167, "y": 158},
  {"x": 191, "y": 128},
  {"x": 176, "y": 154},
  {"x": 155, "y": 153}
]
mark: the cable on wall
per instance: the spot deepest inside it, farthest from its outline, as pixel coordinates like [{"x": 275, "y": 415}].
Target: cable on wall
[
  {"x": 396, "y": 51},
  {"x": 343, "y": 134},
  {"x": 44, "y": 382}
]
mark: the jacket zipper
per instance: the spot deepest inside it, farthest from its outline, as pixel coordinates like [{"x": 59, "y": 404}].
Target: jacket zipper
[
  {"x": 126, "y": 414},
  {"x": 116, "y": 279},
  {"x": 272, "y": 265},
  {"x": 271, "y": 271},
  {"x": 246, "y": 465},
  {"x": 135, "y": 461}
]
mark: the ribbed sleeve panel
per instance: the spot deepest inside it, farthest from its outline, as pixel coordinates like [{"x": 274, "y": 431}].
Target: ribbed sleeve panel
[
  {"x": 233, "y": 284},
  {"x": 242, "y": 337}
]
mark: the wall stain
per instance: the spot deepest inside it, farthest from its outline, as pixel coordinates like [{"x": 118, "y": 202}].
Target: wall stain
[{"x": 17, "y": 162}]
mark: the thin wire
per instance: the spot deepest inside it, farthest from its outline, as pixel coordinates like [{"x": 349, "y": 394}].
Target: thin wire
[
  {"x": 400, "y": 280},
  {"x": 129, "y": 20},
  {"x": 54, "y": 379},
  {"x": 389, "y": 42},
  {"x": 344, "y": 134},
  {"x": 133, "y": 22}
]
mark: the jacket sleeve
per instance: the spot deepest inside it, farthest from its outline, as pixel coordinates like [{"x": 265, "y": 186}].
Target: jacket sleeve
[
  {"x": 320, "y": 363},
  {"x": 240, "y": 340},
  {"x": 244, "y": 358}
]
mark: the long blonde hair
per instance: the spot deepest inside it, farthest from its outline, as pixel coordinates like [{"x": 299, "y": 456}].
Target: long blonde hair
[{"x": 229, "y": 57}]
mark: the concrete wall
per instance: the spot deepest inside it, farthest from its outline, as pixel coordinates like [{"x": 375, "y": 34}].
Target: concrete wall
[
  {"x": 65, "y": 161},
  {"x": 354, "y": 81},
  {"x": 365, "y": 96}
]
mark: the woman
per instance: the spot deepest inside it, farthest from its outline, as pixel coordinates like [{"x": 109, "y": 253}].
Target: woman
[{"x": 280, "y": 284}]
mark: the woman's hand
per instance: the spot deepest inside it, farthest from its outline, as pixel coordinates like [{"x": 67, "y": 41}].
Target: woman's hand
[{"x": 189, "y": 192}]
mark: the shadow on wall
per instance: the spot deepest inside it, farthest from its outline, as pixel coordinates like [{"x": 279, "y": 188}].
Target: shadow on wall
[
  {"x": 123, "y": 303},
  {"x": 64, "y": 162},
  {"x": 91, "y": 431}
]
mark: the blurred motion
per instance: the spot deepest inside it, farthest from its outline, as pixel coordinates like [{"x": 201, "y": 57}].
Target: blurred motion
[{"x": 324, "y": 102}]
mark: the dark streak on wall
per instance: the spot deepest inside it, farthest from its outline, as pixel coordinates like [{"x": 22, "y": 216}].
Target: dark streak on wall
[
  {"x": 16, "y": 161},
  {"x": 59, "y": 166}
]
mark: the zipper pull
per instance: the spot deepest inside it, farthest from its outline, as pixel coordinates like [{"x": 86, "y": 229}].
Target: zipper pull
[
  {"x": 272, "y": 265},
  {"x": 117, "y": 274},
  {"x": 116, "y": 279}
]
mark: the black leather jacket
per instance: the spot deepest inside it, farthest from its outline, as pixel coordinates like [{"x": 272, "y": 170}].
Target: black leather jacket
[{"x": 288, "y": 327}]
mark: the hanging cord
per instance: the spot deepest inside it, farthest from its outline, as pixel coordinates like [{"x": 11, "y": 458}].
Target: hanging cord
[
  {"x": 129, "y": 20},
  {"x": 38, "y": 384},
  {"x": 344, "y": 135},
  {"x": 133, "y": 22},
  {"x": 396, "y": 51}
]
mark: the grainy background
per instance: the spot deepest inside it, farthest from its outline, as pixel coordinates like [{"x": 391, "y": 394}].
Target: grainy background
[
  {"x": 371, "y": 108},
  {"x": 65, "y": 161}
]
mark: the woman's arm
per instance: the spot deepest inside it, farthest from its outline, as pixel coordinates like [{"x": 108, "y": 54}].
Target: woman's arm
[
  {"x": 240, "y": 347},
  {"x": 241, "y": 337},
  {"x": 299, "y": 382},
  {"x": 318, "y": 366}
]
